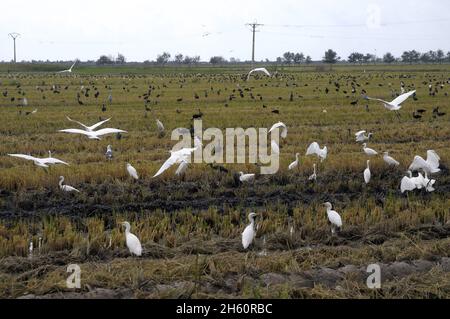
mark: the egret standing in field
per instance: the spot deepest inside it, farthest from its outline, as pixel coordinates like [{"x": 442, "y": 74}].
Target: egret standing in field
[
  {"x": 294, "y": 164},
  {"x": 133, "y": 243},
  {"x": 109, "y": 152},
  {"x": 367, "y": 174},
  {"x": 132, "y": 171},
  {"x": 333, "y": 217},
  {"x": 275, "y": 147},
  {"x": 314, "y": 149},
  {"x": 389, "y": 160},
  {"x": 249, "y": 233},
  {"x": 66, "y": 188},
  {"x": 282, "y": 126},
  {"x": 369, "y": 151}
]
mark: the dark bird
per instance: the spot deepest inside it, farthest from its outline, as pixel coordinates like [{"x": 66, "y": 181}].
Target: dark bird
[{"x": 275, "y": 112}]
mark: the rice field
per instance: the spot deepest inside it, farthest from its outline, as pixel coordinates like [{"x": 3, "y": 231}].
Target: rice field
[{"x": 190, "y": 227}]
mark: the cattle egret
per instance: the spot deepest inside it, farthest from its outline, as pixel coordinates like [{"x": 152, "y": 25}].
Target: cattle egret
[
  {"x": 246, "y": 178},
  {"x": 367, "y": 174},
  {"x": 132, "y": 171},
  {"x": 314, "y": 148},
  {"x": 263, "y": 70},
  {"x": 89, "y": 128},
  {"x": 133, "y": 243},
  {"x": 369, "y": 151},
  {"x": 294, "y": 164},
  {"x": 407, "y": 185},
  {"x": 249, "y": 233},
  {"x": 430, "y": 166},
  {"x": 389, "y": 160},
  {"x": 333, "y": 217},
  {"x": 66, "y": 188},
  {"x": 160, "y": 127},
  {"x": 278, "y": 126},
  {"x": 361, "y": 137}
]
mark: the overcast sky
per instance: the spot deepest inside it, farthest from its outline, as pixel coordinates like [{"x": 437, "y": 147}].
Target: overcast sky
[{"x": 140, "y": 29}]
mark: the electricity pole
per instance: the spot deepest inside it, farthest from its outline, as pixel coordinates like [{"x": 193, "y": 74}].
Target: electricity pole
[
  {"x": 253, "y": 29},
  {"x": 14, "y": 36}
]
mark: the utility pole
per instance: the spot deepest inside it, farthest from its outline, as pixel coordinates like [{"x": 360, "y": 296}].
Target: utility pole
[
  {"x": 14, "y": 36},
  {"x": 253, "y": 26}
]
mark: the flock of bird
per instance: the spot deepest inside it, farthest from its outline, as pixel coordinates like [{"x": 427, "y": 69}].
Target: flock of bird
[{"x": 425, "y": 168}]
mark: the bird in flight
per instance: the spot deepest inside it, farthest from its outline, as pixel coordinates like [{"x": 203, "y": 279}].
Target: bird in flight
[{"x": 69, "y": 70}]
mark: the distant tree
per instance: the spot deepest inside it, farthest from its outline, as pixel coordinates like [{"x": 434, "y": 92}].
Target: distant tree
[
  {"x": 120, "y": 59},
  {"x": 179, "y": 58},
  {"x": 234, "y": 60},
  {"x": 196, "y": 59},
  {"x": 331, "y": 57},
  {"x": 279, "y": 60},
  {"x": 388, "y": 58},
  {"x": 163, "y": 58},
  {"x": 191, "y": 60},
  {"x": 448, "y": 56},
  {"x": 308, "y": 60},
  {"x": 356, "y": 57},
  {"x": 217, "y": 60},
  {"x": 411, "y": 56},
  {"x": 299, "y": 58},
  {"x": 440, "y": 55},
  {"x": 288, "y": 57},
  {"x": 426, "y": 58},
  {"x": 104, "y": 60},
  {"x": 369, "y": 58}
]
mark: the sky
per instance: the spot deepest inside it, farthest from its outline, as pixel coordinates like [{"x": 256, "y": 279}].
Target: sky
[{"x": 142, "y": 29}]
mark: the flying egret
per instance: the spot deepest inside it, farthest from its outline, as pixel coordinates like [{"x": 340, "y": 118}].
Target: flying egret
[
  {"x": 249, "y": 233},
  {"x": 275, "y": 147},
  {"x": 263, "y": 70},
  {"x": 390, "y": 160},
  {"x": 89, "y": 128},
  {"x": 133, "y": 243},
  {"x": 395, "y": 105},
  {"x": 246, "y": 178},
  {"x": 69, "y": 70},
  {"x": 178, "y": 157},
  {"x": 41, "y": 162},
  {"x": 109, "y": 152},
  {"x": 94, "y": 135},
  {"x": 313, "y": 177},
  {"x": 314, "y": 148},
  {"x": 369, "y": 151},
  {"x": 294, "y": 164},
  {"x": 132, "y": 171},
  {"x": 361, "y": 137},
  {"x": 333, "y": 217},
  {"x": 430, "y": 166},
  {"x": 367, "y": 174},
  {"x": 283, "y": 127},
  {"x": 66, "y": 188}
]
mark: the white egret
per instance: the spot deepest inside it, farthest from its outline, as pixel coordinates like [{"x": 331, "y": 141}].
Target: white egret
[
  {"x": 178, "y": 157},
  {"x": 361, "y": 137},
  {"x": 133, "y": 243},
  {"x": 160, "y": 126},
  {"x": 430, "y": 166},
  {"x": 369, "y": 151},
  {"x": 132, "y": 171},
  {"x": 294, "y": 164},
  {"x": 333, "y": 217},
  {"x": 249, "y": 233},
  {"x": 275, "y": 147},
  {"x": 367, "y": 173},
  {"x": 109, "y": 152},
  {"x": 69, "y": 70},
  {"x": 313, "y": 177},
  {"x": 395, "y": 105},
  {"x": 390, "y": 160},
  {"x": 94, "y": 135},
  {"x": 41, "y": 162},
  {"x": 246, "y": 178},
  {"x": 407, "y": 184},
  {"x": 89, "y": 128},
  {"x": 263, "y": 70},
  {"x": 52, "y": 160},
  {"x": 314, "y": 148},
  {"x": 279, "y": 125},
  {"x": 182, "y": 168},
  {"x": 66, "y": 188},
  {"x": 428, "y": 184}
]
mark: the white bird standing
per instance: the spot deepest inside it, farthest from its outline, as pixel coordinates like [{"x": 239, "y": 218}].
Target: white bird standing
[
  {"x": 369, "y": 151},
  {"x": 390, "y": 160},
  {"x": 313, "y": 177},
  {"x": 314, "y": 148},
  {"x": 246, "y": 178},
  {"x": 294, "y": 164},
  {"x": 66, "y": 188},
  {"x": 407, "y": 184},
  {"x": 361, "y": 137},
  {"x": 249, "y": 233},
  {"x": 133, "y": 243},
  {"x": 430, "y": 166},
  {"x": 132, "y": 171},
  {"x": 333, "y": 217},
  {"x": 94, "y": 135},
  {"x": 367, "y": 173},
  {"x": 283, "y": 127},
  {"x": 89, "y": 128},
  {"x": 263, "y": 70},
  {"x": 69, "y": 70},
  {"x": 109, "y": 152},
  {"x": 395, "y": 105},
  {"x": 41, "y": 162}
]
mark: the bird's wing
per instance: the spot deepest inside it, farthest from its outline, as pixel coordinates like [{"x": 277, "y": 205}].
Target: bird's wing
[
  {"x": 52, "y": 160},
  {"x": 314, "y": 148},
  {"x": 325, "y": 152},
  {"x": 183, "y": 166},
  {"x": 75, "y": 131},
  {"x": 433, "y": 159},
  {"x": 174, "y": 158},
  {"x": 106, "y": 131},
  {"x": 265, "y": 71},
  {"x": 77, "y": 122},
  {"x": 247, "y": 236},
  {"x": 379, "y": 100},
  {"x": 407, "y": 185},
  {"x": 278, "y": 125},
  {"x": 402, "y": 98},
  {"x": 73, "y": 65},
  {"x": 335, "y": 218},
  {"x": 418, "y": 163},
  {"x": 275, "y": 147},
  {"x": 26, "y": 157},
  {"x": 360, "y": 133},
  {"x": 132, "y": 171},
  {"x": 134, "y": 245},
  {"x": 93, "y": 127}
]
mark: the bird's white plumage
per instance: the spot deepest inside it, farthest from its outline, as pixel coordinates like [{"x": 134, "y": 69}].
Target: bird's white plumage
[
  {"x": 361, "y": 137},
  {"x": 66, "y": 188},
  {"x": 182, "y": 168},
  {"x": 94, "y": 135},
  {"x": 369, "y": 151},
  {"x": 294, "y": 164},
  {"x": 282, "y": 126},
  {"x": 42, "y": 162},
  {"x": 395, "y": 105},
  {"x": 133, "y": 243},
  {"x": 275, "y": 147},
  {"x": 246, "y": 178},
  {"x": 314, "y": 149},
  {"x": 132, "y": 171},
  {"x": 407, "y": 185},
  {"x": 262, "y": 70},
  {"x": 89, "y": 128},
  {"x": 160, "y": 126},
  {"x": 430, "y": 166},
  {"x": 390, "y": 160},
  {"x": 367, "y": 174},
  {"x": 249, "y": 233}
]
